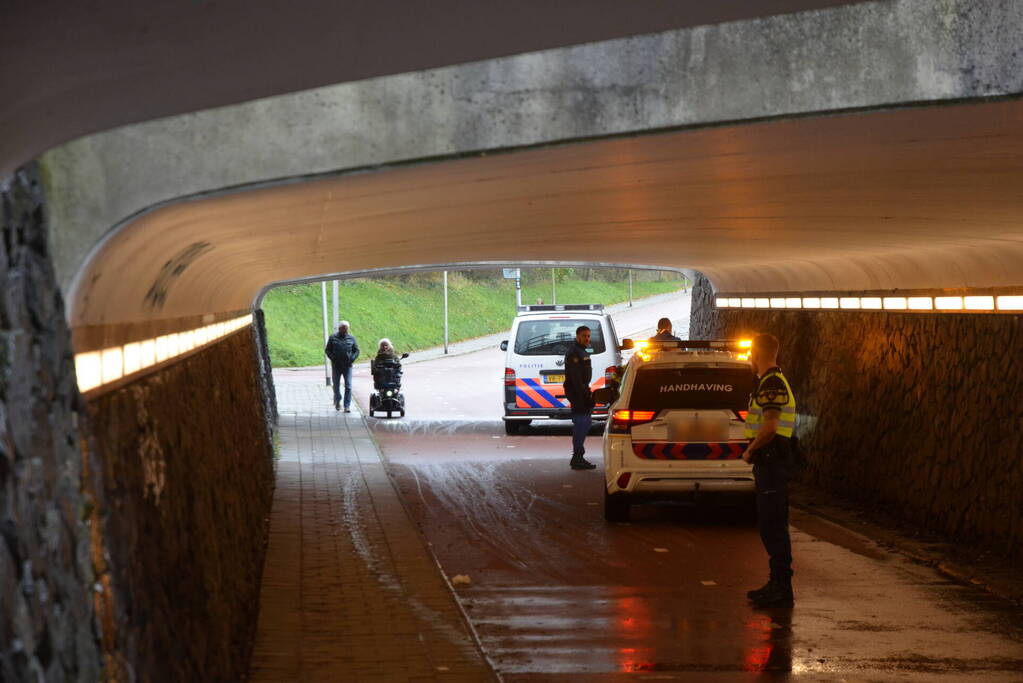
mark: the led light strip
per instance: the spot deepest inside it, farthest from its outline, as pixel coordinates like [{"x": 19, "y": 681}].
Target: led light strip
[
  {"x": 878, "y": 303},
  {"x": 96, "y": 368}
]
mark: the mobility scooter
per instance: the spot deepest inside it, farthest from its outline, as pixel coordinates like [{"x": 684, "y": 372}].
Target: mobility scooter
[{"x": 387, "y": 383}]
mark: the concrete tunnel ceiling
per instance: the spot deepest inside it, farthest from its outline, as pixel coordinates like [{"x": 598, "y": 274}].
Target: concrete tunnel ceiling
[
  {"x": 68, "y": 69},
  {"x": 917, "y": 198}
]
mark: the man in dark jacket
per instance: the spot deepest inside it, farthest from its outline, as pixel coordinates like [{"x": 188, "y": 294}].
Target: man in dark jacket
[
  {"x": 578, "y": 373},
  {"x": 342, "y": 350},
  {"x": 664, "y": 332}
]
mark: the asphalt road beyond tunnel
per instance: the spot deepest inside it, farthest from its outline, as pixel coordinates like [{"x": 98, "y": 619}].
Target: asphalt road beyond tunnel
[{"x": 556, "y": 593}]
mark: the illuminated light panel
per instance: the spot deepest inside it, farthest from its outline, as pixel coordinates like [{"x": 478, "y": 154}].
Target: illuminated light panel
[
  {"x": 921, "y": 303},
  {"x": 162, "y": 349},
  {"x": 112, "y": 361},
  {"x": 979, "y": 303},
  {"x": 132, "y": 357},
  {"x": 1010, "y": 303},
  {"x": 89, "y": 370},
  {"x": 96, "y": 368},
  {"x": 147, "y": 353},
  {"x": 948, "y": 303},
  {"x": 895, "y": 303},
  {"x": 872, "y": 303}
]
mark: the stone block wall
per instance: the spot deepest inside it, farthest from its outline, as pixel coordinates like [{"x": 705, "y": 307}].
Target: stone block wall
[
  {"x": 188, "y": 472},
  {"x": 47, "y": 627},
  {"x": 917, "y": 414}
]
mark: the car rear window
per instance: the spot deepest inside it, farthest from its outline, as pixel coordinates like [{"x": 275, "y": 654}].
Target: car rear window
[
  {"x": 698, "y": 388},
  {"x": 555, "y": 337}
]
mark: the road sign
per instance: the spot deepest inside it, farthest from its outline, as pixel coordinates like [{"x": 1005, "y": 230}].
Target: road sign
[{"x": 511, "y": 273}]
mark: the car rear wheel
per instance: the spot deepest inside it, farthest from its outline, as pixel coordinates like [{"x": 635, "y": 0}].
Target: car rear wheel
[
  {"x": 616, "y": 507},
  {"x": 510, "y": 427}
]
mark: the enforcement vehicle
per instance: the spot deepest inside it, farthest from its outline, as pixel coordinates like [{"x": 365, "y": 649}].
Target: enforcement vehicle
[
  {"x": 676, "y": 425},
  {"x": 534, "y": 368}
]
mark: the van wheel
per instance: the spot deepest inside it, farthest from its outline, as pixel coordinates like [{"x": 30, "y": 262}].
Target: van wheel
[
  {"x": 511, "y": 428},
  {"x": 616, "y": 507}
]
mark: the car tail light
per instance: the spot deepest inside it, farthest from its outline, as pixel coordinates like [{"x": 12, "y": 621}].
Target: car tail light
[
  {"x": 622, "y": 421},
  {"x": 623, "y": 480},
  {"x": 509, "y": 377}
]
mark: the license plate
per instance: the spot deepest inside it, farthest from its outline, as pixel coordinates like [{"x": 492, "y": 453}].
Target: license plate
[{"x": 554, "y": 379}]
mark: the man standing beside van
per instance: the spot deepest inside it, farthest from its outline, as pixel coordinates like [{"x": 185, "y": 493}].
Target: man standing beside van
[{"x": 578, "y": 373}]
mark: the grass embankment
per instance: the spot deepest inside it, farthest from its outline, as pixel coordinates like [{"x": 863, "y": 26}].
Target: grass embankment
[{"x": 411, "y": 316}]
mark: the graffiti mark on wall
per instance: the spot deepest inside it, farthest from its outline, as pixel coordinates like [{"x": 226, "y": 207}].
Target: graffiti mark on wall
[{"x": 156, "y": 297}]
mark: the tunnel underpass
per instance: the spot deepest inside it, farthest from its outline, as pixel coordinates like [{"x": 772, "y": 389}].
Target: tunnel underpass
[
  {"x": 845, "y": 178},
  {"x": 548, "y": 588}
]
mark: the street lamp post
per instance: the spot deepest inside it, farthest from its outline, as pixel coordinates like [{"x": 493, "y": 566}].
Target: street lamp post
[
  {"x": 445, "y": 312},
  {"x": 326, "y": 334}
]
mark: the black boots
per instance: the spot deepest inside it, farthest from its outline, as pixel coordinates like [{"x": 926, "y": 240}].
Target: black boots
[
  {"x": 757, "y": 592},
  {"x": 772, "y": 594},
  {"x": 578, "y": 462}
]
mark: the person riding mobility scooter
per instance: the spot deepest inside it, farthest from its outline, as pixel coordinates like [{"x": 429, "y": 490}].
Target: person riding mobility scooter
[{"x": 386, "y": 369}]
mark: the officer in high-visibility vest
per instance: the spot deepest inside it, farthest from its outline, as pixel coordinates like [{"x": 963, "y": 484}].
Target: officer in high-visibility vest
[{"x": 769, "y": 426}]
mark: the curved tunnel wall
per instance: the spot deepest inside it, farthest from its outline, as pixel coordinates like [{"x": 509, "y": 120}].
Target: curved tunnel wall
[
  {"x": 866, "y": 56},
  {"x": 910, "y": 199}
]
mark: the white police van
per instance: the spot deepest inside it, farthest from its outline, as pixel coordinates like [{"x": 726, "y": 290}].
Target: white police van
[
  {"x": 676, "y": 426},
  {"x": 534, "y": 368}
]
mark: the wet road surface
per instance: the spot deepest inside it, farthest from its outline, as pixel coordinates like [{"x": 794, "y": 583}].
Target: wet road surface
[{"x": 556, "y": 593}]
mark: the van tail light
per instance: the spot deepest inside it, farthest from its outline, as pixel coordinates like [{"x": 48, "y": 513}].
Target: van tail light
[
  {"x": 611, "y": 373},
  {"x": 509, "y": 377},
  {"x": 622, "y": 421},
  {"x": 623, "y": 480},
  {"x": 742, "y": 414}
]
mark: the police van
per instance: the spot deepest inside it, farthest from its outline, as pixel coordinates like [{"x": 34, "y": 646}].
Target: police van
[
  {"x": 676, "y": 424},
  {"x": 534, "y": 368}
]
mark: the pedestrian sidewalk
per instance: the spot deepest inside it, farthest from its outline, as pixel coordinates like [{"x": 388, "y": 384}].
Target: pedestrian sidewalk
[{"x": 350, "y": 590}]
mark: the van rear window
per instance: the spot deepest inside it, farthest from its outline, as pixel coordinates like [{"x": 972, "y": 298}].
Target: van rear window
[
  {"x": 697, "y": 388},
  {"x": 555, "y": 337}
]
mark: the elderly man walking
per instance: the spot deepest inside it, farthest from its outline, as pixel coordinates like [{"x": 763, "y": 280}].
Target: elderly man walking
[{"x": 342, "y": 349}]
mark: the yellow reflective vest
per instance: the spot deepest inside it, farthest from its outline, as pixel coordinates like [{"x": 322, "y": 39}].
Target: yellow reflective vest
[{"x": 772, "y": 392}]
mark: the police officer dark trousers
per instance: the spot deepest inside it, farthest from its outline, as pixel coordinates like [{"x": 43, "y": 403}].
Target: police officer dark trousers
[
  {"x": 578, "y": 373},
  {"x": 769, "y": 426}
]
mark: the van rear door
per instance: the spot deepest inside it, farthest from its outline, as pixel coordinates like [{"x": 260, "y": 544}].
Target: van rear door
[{"x": 539, "y": 348}]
